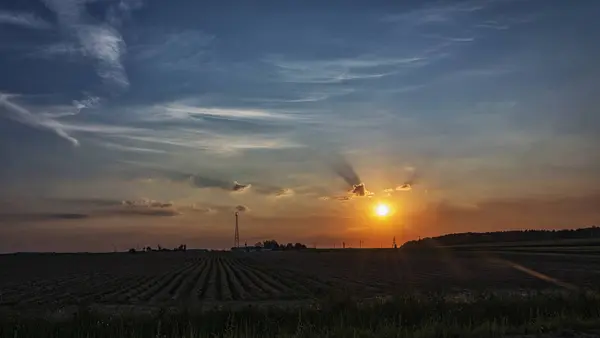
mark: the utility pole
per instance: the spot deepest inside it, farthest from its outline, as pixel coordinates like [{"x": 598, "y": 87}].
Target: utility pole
[{"x": 236, "y": 239}]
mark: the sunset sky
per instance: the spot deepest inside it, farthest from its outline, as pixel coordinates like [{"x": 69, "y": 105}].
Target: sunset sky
[{"x": 126, "y": 123}]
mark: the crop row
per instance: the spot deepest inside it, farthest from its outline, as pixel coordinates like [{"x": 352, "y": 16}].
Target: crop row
[{"x": 217, "y": 278}]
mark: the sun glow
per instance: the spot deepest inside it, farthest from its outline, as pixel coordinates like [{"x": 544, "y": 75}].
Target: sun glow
[{"x": 382, "y": 210}]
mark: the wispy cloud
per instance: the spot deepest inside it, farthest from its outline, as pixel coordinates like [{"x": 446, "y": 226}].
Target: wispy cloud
[
  {"x": 214, "y": 142},
  {"x": 130, "y": 136},
  {"x": 21, "y": 114},
  {"x": 57, "y": 49},
  {"x": 27, "y": 20},
  {"x": 121, "y": 147},
  {"x": 122, "y": 11},
  {"x": 100, "y": 42},
  {"x": 493, "y": 24},
  {"x": 436, "y": 13},
  {"x": 183, "y": 50},
  {"x": 340, "y": 70},
  {"x": 106, "y": 45},
  {"x": 87, "y": 102},
  {"x": 182, "y": 112}
]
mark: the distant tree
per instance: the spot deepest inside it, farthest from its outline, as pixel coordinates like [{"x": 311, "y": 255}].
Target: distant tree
[
  {"x": 271, "y": 244},
  {"x": 289, "y": 246},
  {"x": 504, "y": 236},
  {"x": 299, "y": 246},
  {"x": 132, "y": 251},
  {"x": 258, "y": 245}
]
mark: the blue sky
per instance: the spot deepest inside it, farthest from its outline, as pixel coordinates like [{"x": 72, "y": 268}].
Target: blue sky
[{"x": 128, "y": 122}]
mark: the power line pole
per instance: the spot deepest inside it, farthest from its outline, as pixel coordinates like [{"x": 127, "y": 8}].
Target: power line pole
[{"x": 236, "y": 239}]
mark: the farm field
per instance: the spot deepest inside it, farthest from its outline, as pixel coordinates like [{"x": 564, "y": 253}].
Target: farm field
[
  {"x": 163, "y": 279},
  {"x": 330, "y": 293},
  {"x": 199, "y": 279}
]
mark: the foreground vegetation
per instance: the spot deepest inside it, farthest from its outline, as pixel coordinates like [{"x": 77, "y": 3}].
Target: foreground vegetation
[{"x": 433, "y": 315}]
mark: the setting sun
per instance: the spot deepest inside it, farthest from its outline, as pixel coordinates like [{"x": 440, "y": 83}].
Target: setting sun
[{"x": 382, "y": 210}]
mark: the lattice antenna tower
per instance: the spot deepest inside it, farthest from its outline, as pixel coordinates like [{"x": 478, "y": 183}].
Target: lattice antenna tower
[{"x": 236, "y": 239}]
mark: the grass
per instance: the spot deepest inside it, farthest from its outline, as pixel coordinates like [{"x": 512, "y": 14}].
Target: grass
[{"x": 487, "y": 315}]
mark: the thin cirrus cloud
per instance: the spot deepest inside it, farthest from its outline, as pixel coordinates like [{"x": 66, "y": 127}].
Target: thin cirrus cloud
[
  {"x": 436, "y": 14},
  {"x": 184, "y": 50},
  {"x": 22, "y": 19},
  {"x": 120, "y": 147},
  {"x": 339, "y": 70},
  {"x": 212, "y": 142},
  {"x": 145, "y": 139},
  {"x": 101, "y": 42},
  {"x": 23, "y": 115},
  {"x": 182, "y": 112}
]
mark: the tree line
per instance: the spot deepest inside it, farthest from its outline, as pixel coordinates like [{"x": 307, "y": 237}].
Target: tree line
[
  {"x": 504, "y": 236},
  {"x": 272, "y": 244},
  {"x": 182, "y": 247}
]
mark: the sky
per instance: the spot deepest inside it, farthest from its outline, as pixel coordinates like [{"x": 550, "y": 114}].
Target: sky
[{"x": 126, "y": 123}]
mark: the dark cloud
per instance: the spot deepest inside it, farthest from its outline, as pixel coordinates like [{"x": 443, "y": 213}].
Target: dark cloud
[
  {"x": 40, "y": 216},
  {"x": 240, "y": 187},
  {"x": 408, "y": 184},
  {"x": 241, "y": 208},
  {"x": 146, "y": 203},
  {"x": 273, "y": 191},
  {"x": 77, "y": 209},
  {"x": 285, "y": 192},
  {"x": 142, "y": 212},
  {"x": 145, "y": 207},
  {"x": 209, "y": 182},
  {"x": 360, "y": 190},
  {"x": 345, "y": 170},
  {"x": 88, "y": 202}
]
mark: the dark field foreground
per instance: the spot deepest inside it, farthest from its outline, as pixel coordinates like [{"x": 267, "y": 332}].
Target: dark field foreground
[
  {"x": 438, "y": 292},
  {"x": 487, "y": 315},
  {"x": 31, "y": 281}
]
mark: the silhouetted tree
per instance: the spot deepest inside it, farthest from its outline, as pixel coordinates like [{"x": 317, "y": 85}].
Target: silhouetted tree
[
  {"x": 132, "y": 251},
  {"x": 504, "y": 236},
  {"x": 299, "y": 246},
  {"x": 271, "y": 244}
]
